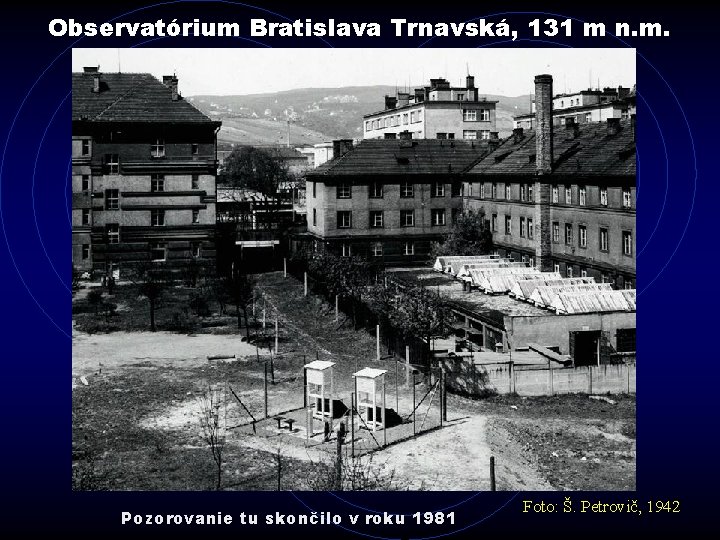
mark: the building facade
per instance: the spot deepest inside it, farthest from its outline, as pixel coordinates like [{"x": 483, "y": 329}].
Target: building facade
[
  {"x": 586, "y": 106},
  {"x": 563, "y": 199},
  {"x": 143, "y": 173},
  {"x": 388, "y": 200},
  {"x": 437, "y": 111}
]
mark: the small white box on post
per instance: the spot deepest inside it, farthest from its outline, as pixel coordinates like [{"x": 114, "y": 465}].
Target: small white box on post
[
  {"x": 367, "y": 383},
  {"x": 320, "y": 387}
]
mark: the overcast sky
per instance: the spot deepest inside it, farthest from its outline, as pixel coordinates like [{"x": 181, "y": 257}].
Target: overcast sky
[{"x": 507, "y": 72}]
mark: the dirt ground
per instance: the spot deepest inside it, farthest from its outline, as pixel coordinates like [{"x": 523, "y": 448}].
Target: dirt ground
[{"x": 136, "y": 421}]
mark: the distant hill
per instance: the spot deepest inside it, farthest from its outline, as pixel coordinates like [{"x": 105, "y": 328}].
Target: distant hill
[{"x": 315, "y": 114}]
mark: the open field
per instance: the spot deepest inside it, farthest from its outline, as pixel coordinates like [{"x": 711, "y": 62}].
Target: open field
[{"x": 136, "y": 421}]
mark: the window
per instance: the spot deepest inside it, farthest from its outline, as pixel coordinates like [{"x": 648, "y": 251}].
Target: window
[
  {"x": 493, "y": 223},
  {"x": 493, "y": 191},
  {"x": 376, "y": 249},
  {"x": 86, "y": 216},
  {"x": 195, "y": 250},
  {"x": 568, "y": 234},
  {"x": 531, "y": 232},
  {"x": 113, "y": 233},
  {"x": 626, "y": 339},
  {"x": 157, "y": 252},
  {"x": 112, "y": 163},
  {"x": 196, "y": 217},
  {"x": 376, "y": 190},
  {"x": 530, "y": 193},
  {"x": 628, "y": 284},
  {"x": 556, "y": 232},
  {"x": 482, "y": 190},
  {"x": 314, "y": 217},
  {"x": 569, "y": 271},
  {"x": 588, "y": 117},
  {"x": 469, "y": 134},
  {"x": 568, "y": 195},
  {"x": 460, "y": 97},
  {"x": 484, "y": 115},
  {"x": 376, "y": 219},
  {"x": 441, "y": 135},
  {"x": 522, "y": 227},
  {"x": 582, "y": 196},
  {"x": 195, "y": 181},
  {"x": 368, "y": 125},
  {"x": 112, "y": 198},
  {"x": 157, "y": 218},
  {"x": 194, "y": 149},
  {"x": 346, "y": 249},
  {"x": 375, "y": 124},
  {"x": 469, "y": 115},
  {"x": 157, "y": 183},
  {"x": 582, "y": 236},
  {"x": 438, "y": 217},
  {"x": 455, "y": 189},
  {"x": 407, "y": 218},
  {"x": 344, "y": 191},
  {"x": 508, "y": 192},
  {"x": 485, "y": 134},
  {"x": 603, "y": 197},
  {"x": 413, "y": 117},
  {"x": 85, "y": 149},
  {"x": 556, "y": 268},
  {"x": 409, "y": 248},
  {"x": 508, "y": 225},
  {"x": 604, "y": 243},
  {"x": 158, "y": 148},
  {"x": 85, "y": 251},
  {"x": 555, "y": 195},
  {"x": 406, "y": 190},
  {"x": 583, "y": 273},
  {"x": 438, "y": 189},
  {"x": 451, "y": 136},
  {"x": 313, "y": 189},
  {"x": 627, "y": 243},
  {"x": 627, "y": 198},
  {"x": 85, "y": 185},
  {"x": 405, "y": 118},
  {"x": 344, "y": 219},
  {"x": 523, "y": 192}
]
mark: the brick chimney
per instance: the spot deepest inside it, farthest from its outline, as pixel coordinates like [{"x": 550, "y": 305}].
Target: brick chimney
[
  {"x": 543, "y": 123},
  {"x": 341, "y": 147},
  {"x": 613, "y": 126},
  {"x": 403, "y": 98},
  {"x": 94, "y": 71},
  {"x": 390, "y": 102},
  {"x": 171, "y": 81},
  {"x": 543, "y": 170},
  {"x": 469, "y": 81},
  {"x": 571, "y": 128},
  {"x": 633, "y": 125},
  {"x": 518, "y": 134}
]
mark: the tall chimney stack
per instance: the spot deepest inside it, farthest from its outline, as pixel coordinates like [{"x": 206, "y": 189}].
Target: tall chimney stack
[
  {"x": 543, "y": 123},
  {"x": 171, "y": 81},
  {"x": 543, "y": 163}
]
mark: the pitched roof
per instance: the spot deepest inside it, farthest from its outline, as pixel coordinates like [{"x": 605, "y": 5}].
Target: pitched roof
[
  {"x": 129, "y": 97},
  {"x": 594, "y": 152},
  {"x": 395, "y": 157}
]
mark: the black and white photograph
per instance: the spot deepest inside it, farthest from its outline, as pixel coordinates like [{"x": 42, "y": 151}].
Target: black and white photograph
[{"x": 354, "y": 269}]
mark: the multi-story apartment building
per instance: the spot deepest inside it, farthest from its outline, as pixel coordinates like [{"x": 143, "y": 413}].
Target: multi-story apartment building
[
  {"x": 562, "y": 199},
  {"x": 438, "y": 111},
  {"x": 143, "y": 172},
  {"x": 388, "y": 200},
  {"x": 586, "y": 106}
]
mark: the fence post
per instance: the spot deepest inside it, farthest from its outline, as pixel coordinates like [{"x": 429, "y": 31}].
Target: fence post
[
  {"x": 590, "y": 371},
  {"x": 336, "y": 308},
  {"x": 550, "y": 376},
  {"x": 266, "y": 396},
  {"x": 377, "y": 342},
  {"x": 284, "y": 266},
  {"x": 276, "y": 333},
  {"x": 407, "y": 365},
  {"x": 305, "y": 279}
]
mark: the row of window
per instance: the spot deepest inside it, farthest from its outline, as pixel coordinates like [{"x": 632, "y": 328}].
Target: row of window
[
  {"x": 476, "y": 115},
  {"x": 158, "y": 250},
  {"x": 157, "y": 149},
  {"x": 407, "y": 190},
  {"x": 157, "y": 184},
  {"x": 526, "y": 194},
  {"x": 394, "y": 120},
  {"x": 376, "y": 249},
  {"x": 377, "y": 218},
  {"x": 527, "y": 231},
  {"x": 157, "y": 217}
]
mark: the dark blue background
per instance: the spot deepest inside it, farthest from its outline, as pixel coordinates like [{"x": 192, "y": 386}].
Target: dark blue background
[{"x": 677, "y": 203}]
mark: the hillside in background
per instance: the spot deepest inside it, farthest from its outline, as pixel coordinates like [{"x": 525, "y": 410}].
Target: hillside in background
[{"x": 314, "y": 114}]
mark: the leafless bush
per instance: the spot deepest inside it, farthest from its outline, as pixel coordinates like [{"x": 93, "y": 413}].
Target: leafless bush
[{"x": 211, "y": 424}]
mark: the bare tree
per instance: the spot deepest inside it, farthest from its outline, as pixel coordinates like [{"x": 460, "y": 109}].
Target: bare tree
[
  {"x": 213, "y": 432},
  {"x": 152, "y": 280}
]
